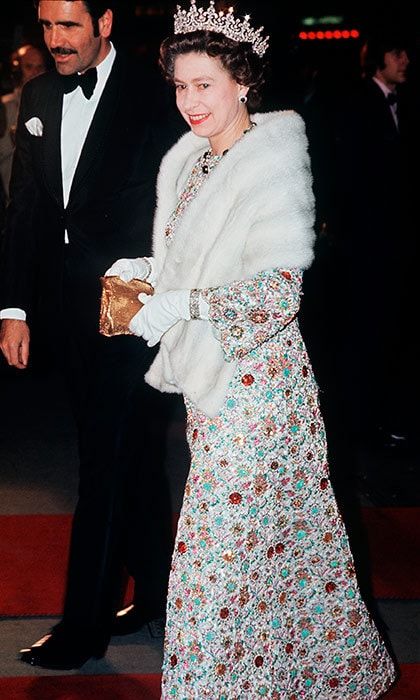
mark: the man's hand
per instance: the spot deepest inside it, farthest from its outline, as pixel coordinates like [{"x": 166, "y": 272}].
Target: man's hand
[{"x": 14, "y": 342}]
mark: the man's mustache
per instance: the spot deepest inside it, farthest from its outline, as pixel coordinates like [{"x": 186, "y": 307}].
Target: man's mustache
[{"x": 61, "y": 51}]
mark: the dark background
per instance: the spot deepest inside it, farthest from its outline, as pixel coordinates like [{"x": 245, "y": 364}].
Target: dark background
[{"x": 141, "y": 24}]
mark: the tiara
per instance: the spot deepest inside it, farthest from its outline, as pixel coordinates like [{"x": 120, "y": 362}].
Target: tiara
[{"x": 197, "y": 19}]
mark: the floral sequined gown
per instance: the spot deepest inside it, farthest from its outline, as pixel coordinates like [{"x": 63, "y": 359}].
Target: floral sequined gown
[{"x": 263, "y": 600}]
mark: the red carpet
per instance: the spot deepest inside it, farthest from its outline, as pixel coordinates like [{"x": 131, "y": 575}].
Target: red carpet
[
  {"x": 126, "y": 687},
  {"x": 408, "y": 686},
  {"x": 33, "y": 561},
  {"x": 145, "y": 687},
  {"x": 33, "y": 556},
  {"x": 394, "y": 543}
]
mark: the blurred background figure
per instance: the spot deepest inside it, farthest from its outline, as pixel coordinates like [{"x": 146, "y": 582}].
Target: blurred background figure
[
  {"x": 372, "y": 235},
  {"x": 359, "y": 295},
  {"x": 371, "y": 223},
  {"x": 27, "y": 62}
]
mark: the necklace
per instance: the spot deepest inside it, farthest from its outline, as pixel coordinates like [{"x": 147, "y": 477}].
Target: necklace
[{"x": 209, "y": 158}]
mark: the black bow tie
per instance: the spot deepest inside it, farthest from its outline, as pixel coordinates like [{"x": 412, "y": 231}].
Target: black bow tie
[
  {"x": 86, "y": 80},
  {"x": 392, "y": 98}
]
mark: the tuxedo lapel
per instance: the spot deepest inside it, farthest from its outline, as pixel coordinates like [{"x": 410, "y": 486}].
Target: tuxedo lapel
[
  {"x": 52, "y": 142},
  {"x": 99, "y": 127},
  {"x": 384, "y": 111}
]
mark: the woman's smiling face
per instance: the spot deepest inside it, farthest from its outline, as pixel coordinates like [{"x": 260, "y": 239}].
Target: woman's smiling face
[{"x": 208, "y": 97}]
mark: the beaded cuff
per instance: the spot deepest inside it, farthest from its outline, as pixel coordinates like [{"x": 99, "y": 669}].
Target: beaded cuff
[
  {"x": 149, "y": 268},
  {"x": 195, "y": 304}
]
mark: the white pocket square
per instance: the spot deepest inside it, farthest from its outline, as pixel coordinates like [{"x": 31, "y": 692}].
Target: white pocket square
[{"x": 35, "y": 126}]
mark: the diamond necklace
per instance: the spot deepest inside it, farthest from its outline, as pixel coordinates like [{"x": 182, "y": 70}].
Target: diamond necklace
[{"x": 208, "y": 155}]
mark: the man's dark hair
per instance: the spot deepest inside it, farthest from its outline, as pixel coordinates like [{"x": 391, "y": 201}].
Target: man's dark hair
[
  {"x": 377, "y": 45},
  {"x": 96, "y": 9}
]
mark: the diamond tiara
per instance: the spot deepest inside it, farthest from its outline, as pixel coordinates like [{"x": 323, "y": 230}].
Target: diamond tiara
[{"x": 197, "y": 19}]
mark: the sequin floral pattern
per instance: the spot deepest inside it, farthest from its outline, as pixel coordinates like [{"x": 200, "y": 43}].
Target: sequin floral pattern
[
  {"x": 248, "y": 314},
  {"x": 263, "y": 600}
]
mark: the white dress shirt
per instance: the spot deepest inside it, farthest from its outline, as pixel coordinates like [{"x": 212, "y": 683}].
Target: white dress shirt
[{"x": 76, "y": 119}]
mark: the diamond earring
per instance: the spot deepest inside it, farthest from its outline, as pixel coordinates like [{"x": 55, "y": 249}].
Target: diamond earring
[{"x": 243, "y": 99}]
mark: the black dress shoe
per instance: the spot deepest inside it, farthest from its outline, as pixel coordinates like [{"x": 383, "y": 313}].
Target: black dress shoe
[
  {"x": 395, "y": 441},
  {"x": 133, "y": 618},
  {"x": 56, "y": 652}
]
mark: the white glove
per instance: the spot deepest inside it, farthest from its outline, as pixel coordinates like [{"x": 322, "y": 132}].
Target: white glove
[
  {"x": 161, "y": 311},
  {"x": 130, "y": 268}
]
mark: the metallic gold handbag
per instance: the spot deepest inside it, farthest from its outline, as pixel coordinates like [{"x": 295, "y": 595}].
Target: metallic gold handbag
[{"x": 119, "y": 303}]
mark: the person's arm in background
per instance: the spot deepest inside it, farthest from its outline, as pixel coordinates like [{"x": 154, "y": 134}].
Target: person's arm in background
[{"x": 17, "y": 253}]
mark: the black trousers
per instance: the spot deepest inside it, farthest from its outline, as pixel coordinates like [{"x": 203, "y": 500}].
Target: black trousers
[{"x": 123, "y": 515}]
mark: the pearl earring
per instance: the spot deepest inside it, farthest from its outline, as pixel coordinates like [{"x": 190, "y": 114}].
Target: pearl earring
[{"x": 243, "y": 99}]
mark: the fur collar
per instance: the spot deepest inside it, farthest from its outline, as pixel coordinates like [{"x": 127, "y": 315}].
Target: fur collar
[{"x": 254, "y": 212}]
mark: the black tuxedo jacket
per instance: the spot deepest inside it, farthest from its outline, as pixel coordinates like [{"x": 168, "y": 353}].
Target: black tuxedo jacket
[
  {"x": 111, "y": 204},
  {"x": 368, "y": 141},
  {"x": 370, "y": 171}
]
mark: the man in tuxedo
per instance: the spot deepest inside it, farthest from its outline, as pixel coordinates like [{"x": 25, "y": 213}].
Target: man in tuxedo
[
  {"x": 373, "y": 233},
  {"x": 82, "y": 195}
]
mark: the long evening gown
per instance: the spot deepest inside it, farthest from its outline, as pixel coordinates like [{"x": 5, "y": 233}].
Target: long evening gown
[{"x": 263, "y": 601}]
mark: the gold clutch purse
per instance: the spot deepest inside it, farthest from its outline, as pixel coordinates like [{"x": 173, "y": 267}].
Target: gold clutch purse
[{"x": 119, "y": 303}]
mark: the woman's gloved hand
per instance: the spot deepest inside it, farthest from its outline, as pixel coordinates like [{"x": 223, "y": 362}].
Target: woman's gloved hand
[
  {"x": 161, "y": 311},
  {"x": 133, "y": 268}
]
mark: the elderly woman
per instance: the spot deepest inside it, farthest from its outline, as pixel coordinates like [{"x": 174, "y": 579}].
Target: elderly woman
[{"x": 263, "y": 599}]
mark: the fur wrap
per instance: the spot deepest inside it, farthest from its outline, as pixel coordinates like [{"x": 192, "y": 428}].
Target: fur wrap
[{"x": 255, "y": 212}]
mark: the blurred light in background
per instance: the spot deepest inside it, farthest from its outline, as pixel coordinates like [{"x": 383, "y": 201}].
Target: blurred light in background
[{"x": 330, "y": 34}]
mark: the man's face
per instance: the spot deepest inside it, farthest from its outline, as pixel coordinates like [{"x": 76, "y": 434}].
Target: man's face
[
  {"x": 31, "y": 64},
  {"x": 69, "y": 35},
  {"x": 395, "y": 67}
]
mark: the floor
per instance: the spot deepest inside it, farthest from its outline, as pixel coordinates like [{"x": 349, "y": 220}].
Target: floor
[{"x": 38, "y": 474}]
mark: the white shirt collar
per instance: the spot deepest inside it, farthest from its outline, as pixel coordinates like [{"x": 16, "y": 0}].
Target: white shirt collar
[
  {"x": 103, "y": 70},
  {"x": 385, "y": 89}
]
